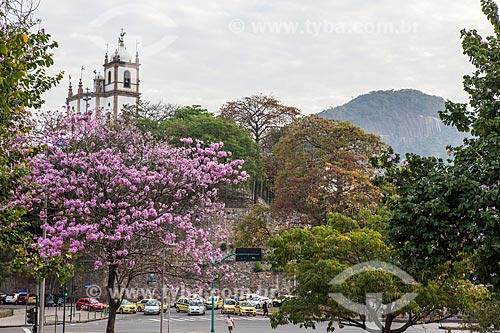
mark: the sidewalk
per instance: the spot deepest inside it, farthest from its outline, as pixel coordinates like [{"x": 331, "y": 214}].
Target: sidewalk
[{"x": 52, "y": 316}]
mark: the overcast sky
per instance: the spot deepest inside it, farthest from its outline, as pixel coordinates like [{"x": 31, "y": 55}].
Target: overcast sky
[{"x": 308, "y": 54}]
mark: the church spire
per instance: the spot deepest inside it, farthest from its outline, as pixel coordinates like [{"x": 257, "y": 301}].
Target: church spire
[
  {"x": 80, "y": 86},
  {"x": 70, "y": 89}
]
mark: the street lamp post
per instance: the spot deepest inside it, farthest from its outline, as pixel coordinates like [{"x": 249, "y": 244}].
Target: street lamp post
[
  {"x": 162, "y": 303},
  {"x": 214, "y": 263},
  {"x": 41, "y": 296},
  {"x": 251, "y": 255}
]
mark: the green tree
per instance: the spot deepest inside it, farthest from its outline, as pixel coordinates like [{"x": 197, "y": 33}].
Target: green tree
[
  {"x": 262, "y": 117},
  {"x": 445, "y": 212},
  {"x": 25, "y": 54},
  {"x": 320, "y": 166},
  {"x": 199, "y": 124},
  {"x": 253, "y": 230},
  {"x": 314, "y": 257}
]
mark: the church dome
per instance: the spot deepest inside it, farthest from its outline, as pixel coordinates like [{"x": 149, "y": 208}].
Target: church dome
[{"x": 123, "y": 53}]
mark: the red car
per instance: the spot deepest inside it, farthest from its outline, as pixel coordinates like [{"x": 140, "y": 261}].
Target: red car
[
  {"x": 22, "y": 298},
  {"x": 90, "y": 304}
]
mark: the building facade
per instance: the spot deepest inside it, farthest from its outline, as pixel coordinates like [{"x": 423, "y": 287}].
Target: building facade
[{"x": 118, "y": 86}]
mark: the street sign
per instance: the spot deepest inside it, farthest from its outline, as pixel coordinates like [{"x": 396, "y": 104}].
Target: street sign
[
  {"x": 248, "y": 254},
  {"x": 23, "y": 290},
  {"x": 151, "y": 281},
  {"x": 87, "y": 285}
]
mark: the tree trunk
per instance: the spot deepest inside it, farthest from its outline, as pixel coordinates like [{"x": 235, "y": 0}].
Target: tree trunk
[
  {"x": 388, "y": 323},
  {"x": 254, "y": 191},
  {"x": 113, "y": 306}
]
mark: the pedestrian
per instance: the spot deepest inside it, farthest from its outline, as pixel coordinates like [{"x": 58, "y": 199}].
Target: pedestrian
[
  {"x": 265, "y": 310},
  {"x": 229, "y": 323}
]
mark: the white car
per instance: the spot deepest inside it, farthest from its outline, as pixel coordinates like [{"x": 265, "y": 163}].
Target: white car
[
  {"x": 196, "y": 306},
  {"x": 11, "y": 299},
  {"x": 152, "y": 307},
  {"x": 259, "y": 301}
]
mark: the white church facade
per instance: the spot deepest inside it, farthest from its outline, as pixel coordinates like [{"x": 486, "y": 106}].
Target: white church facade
[{"x": 118, "y": 86}]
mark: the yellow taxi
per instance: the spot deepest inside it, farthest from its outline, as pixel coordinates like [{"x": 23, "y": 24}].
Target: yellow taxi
[
  {"x": 244, "y": 308},
  {"x": 32, "y": 299},
  {"x": 228, "y": 305},
  {"x": 182, "y": 304},
  {"x": 127, "y": 307},
  {"x": 218, "y": 302}
]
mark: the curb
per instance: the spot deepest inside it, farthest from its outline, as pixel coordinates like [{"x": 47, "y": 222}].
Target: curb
[{"x": 53, "y": 324}]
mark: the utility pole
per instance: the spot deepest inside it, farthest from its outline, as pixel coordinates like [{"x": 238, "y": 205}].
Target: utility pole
[
  {"x": 162, "y": 293},
  {"x": 242, "y": 254},
  {"x": 41, "y": 296}
]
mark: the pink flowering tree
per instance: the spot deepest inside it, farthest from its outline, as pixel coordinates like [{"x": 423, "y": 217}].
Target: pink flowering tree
[{"x": 115, "y": 195}]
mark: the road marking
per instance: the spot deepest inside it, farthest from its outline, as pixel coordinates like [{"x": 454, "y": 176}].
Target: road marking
[
  {"x": 26, "y": 330},
  {"x": 218, "y": 318}
]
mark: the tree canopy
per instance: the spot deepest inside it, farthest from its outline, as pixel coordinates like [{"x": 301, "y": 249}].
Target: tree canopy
[
  {"x": 122, "y": 198},
  {"x": 315, "y": 258},
  {"x": 259, "y": 115},
  {"x": 158, "y": 111},
  {"x": 321, "y": 166},
  {"x": 199, "y": 124},
  {"x": 25, "y": 55},
  {"x": 449, "y": 211}
]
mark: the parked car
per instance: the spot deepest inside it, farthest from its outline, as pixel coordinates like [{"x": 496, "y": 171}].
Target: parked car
[
  {"x": 245, "y": 308},
  {"x": 218, "y": 302},
  {"x": 153, "y": 306},
  {"x": 228, "y": 306},
  {"x": 196, "y": 306},
  {"x": 246, "y": 297},
  {"x": 32, "y": 299},
  {"x": 280, "y": 299},
  {"x": 52, "y": 300},
  {"x": 11, "y": 298},
  {"x": 259, "y": 301},
  {"x": 182, "y": 304},
  {"x": 90, "y": 304},
  {"x": 142, "y": 303},
  {"x": 127, "y": 307},
  {"x": 22, "y": 298}
]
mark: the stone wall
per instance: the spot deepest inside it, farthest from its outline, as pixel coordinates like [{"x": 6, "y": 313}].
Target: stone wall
[{"x": 243, "y": 278}]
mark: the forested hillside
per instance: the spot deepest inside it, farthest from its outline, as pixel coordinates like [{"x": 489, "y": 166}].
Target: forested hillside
[{"x": 406, "y": 119}]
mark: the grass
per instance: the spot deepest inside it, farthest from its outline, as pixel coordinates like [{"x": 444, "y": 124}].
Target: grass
[{"x": 4, "y": 313}]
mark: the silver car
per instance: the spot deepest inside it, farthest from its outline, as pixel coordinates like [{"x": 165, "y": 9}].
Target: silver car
[
  {"x": 152, "y": 307},
  {"x": 11, "y": 298},
  {"x": 196, "y": 306}
]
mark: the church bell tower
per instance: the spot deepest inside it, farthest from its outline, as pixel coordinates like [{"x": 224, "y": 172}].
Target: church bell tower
[{"x": 118, "y": 86}]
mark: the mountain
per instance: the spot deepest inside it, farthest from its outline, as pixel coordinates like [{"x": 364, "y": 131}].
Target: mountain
[{"x": 405, "y": 119}]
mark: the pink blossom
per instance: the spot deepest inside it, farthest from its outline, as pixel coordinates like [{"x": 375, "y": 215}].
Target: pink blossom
[{"x": 111, "y": 185}]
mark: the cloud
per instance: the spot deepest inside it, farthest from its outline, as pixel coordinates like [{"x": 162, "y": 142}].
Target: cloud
[{"x": 310, "y": 55}]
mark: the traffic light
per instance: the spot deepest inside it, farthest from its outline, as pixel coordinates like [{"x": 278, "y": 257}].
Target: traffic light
[
  {"x": 64, "y": 291},
  {"x": 31, "y": 316}
]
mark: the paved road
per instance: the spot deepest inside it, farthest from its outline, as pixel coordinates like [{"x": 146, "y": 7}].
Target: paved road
[
  {"x": 181, "y": 323},
  {"x": 15, "y": 330}
]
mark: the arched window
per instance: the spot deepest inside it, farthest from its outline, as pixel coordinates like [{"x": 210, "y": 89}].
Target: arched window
[
  {"x": 126, "y": 79},
  {"x": 109, "y": 77}
]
